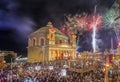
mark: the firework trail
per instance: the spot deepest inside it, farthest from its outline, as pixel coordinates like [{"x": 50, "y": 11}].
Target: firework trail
[
  {"x": 94, "y": 33},
  {"x": 97, "y": 20},
  {"x": 94, "y": 44}
]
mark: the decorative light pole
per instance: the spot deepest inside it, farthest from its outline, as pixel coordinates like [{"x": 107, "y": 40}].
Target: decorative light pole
[
  {"x": 11, "y": 71},
  {"x": 106, "y": 72},
  {"x": 106, "y": 67},
  {"x": 43, "y": 53}
]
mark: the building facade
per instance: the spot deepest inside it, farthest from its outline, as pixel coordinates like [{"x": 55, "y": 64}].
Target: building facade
[
  {"x": 5, "y": 53},
  {"x": 49, "y": 44},
  {"x": 7, "y": 56}
]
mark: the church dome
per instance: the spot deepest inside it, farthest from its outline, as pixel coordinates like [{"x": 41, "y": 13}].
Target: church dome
[{"x": 46, "y": 28}]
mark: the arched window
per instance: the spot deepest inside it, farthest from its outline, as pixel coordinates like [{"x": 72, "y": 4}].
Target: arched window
[
  {"x": 60, "y": 41},
  {"x": 34, "y": 42},
  {"x": 42, "y": 42}
]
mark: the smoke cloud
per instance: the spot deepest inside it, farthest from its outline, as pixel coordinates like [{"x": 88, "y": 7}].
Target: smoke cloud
[{"x": 21, "y": 25}]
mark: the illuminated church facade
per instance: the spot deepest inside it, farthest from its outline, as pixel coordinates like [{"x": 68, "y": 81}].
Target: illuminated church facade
[{"x": 49, "y": 44}]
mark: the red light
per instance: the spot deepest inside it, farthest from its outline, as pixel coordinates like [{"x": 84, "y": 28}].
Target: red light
[{"x": 119, "y": 44}]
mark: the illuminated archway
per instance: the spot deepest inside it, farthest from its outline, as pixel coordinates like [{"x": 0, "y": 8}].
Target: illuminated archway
[
  {"x": 42, "y": 41},
  {"x": 34, "y": 41}
]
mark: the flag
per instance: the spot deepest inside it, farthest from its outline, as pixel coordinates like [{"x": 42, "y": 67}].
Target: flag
[{"x": 111, "y": 58}]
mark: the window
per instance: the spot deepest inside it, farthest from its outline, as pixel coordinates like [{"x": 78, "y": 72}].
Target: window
[
  {"x": 42, "y": 42},
  {"x": 60, "y": 41},
  {"x": 34, "y": 42}
]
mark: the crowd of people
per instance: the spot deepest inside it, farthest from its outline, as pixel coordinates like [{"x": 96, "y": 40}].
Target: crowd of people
[{"x": 52, "y": 72}]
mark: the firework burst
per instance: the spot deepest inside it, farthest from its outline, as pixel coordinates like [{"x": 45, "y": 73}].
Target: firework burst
[
  {"x": 110, "y": 21},
  {"x": 109, "y": 18},
  {"x": 81, "y": 22}
]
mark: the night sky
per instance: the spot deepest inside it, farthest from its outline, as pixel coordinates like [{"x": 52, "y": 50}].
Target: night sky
[{"x": 18, "y": 18}]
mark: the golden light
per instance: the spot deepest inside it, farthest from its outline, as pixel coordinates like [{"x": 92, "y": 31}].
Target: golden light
[
  {"x": 107, "y": 65},
  {"x": 4, "y": 61},
  {"x": 64, "y": 45},
  {"x": 113, "y": 57}
]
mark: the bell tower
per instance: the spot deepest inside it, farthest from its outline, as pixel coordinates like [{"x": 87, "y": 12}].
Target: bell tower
[
  {"x": 51, "y": 35},
  {"x": 73, "y": 40}
]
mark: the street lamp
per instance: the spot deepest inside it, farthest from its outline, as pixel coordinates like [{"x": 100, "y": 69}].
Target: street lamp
[
  {"x": 11, "y": 70},
  {"x": 43, "y": 53},
  {"x": 106, "y": 72}
]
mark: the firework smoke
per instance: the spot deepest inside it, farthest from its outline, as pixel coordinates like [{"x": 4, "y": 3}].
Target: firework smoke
[{"x": 21, "y": 25}]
